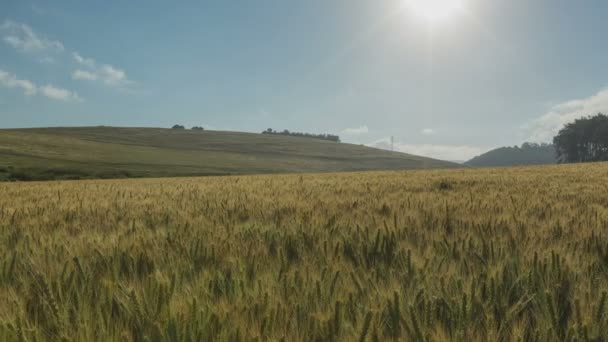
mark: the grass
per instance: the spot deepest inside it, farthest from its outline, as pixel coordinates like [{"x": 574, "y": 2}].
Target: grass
[
  {"x": 517, "y": 254},
  {"x": 108, "y": 152}
]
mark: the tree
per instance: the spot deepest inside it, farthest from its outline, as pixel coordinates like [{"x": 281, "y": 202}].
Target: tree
[
  {"x": 198, "y": 128},
  {"x": 328, "y": 137},
  {"x": 178, "y": 127},
  {"x": 584, "y": 140}
]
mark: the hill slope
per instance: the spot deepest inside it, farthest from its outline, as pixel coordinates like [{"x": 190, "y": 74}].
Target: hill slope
[
  {"x": 106, "y": 152},
  {"x": 527, "y": 154}
]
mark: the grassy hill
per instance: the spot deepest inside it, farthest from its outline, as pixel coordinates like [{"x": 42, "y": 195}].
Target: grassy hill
[
  {"x": 527, "y": 154},
  {"x": 110, "y": 152}
]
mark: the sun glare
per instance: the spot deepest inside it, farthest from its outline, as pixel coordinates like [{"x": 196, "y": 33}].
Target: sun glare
[{"x": 435, "y": 10}]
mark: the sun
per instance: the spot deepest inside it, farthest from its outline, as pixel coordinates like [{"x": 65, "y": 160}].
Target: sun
[{"x": 435, "y": 10}]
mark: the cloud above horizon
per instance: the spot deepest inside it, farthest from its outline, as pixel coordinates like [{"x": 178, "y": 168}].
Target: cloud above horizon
[
  {"x": 436, "y": 151},
  {"x": 59, "y": 94},
  {"x": 11, "y": 81},
  {"x": 428, "y": 131},
  {"x": 84, "y": 75},
  {"x": 356, "y": 131},
  {"x": 108, "y": 74},
  {"x": 23, "y": 38},
  {"x": 545, "y": 127},
  {"x": 29, "y": 88}
]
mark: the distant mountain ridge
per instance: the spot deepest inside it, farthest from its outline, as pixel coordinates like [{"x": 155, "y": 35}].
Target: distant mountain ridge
[{"x": 526, "y": 154}]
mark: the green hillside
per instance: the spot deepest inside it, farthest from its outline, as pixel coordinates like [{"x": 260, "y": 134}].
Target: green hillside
[
  {"x": 527, "y": 154},
  {"x": 109, "y": 152}
]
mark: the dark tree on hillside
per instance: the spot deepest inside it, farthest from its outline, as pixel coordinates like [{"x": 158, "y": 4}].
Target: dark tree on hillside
[
  {"x": 329, "y": 137},
  {"x": 178, "y": 127},
  {"x": 584, "y": 140}
]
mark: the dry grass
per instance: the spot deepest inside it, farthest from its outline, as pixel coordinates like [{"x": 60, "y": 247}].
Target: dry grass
[{"x": 492, "y": 254}]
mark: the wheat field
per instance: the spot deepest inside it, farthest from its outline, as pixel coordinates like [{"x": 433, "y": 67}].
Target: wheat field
[{"x": 513, "y": 254}]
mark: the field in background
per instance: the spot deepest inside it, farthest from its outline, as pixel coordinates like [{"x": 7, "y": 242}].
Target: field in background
[
  {"x": 110, "y": 152},
  {"x": 488, "y": 254}
]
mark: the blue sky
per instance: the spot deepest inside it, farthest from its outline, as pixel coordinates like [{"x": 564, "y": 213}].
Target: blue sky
[{"x": 495, "y": 73}]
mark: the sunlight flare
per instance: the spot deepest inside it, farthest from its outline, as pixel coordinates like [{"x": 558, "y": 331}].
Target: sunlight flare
[{"x": 435, "y": 10}]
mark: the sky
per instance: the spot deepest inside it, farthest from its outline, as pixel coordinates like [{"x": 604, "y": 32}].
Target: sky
[{"x": 492, "y": 73}]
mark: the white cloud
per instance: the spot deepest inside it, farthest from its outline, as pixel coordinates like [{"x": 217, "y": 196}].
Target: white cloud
[
  {"x": 30, "y": 88},
  {"x": 24, "y": 38},
  {"x": 356, "y": 131},
  {"x": 84, "y": 75},
  {"x": 544, "y": 128},
  {"x": 108, "y": 74},
  {"x": 112, "y": 76},
  {"x": 88, "y": 62},
  {"x": 428, "y": 131},
  {"x": 11, "y": 81},
  {"x": 443, "y": 152},
  {"x": 59, "y": 94}
]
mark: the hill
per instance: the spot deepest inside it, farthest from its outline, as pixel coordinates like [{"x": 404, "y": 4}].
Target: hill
[
  {"x": 527, "y": 154},
  {"x": 110, "y": 152}
]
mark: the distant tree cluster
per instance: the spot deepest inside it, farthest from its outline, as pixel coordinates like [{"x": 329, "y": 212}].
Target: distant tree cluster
[
  {"x": 584, "y": 140},
  {"x": 329, "y": 137},
  {"x": 195, "y": 128}
]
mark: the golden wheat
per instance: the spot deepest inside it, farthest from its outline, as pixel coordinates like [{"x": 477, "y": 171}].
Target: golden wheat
[{"x": 491, "y": 254}]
